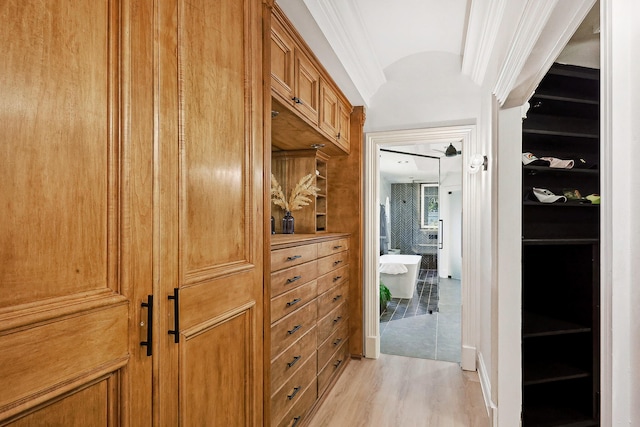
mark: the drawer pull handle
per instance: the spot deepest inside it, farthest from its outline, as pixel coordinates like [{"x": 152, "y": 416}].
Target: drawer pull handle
[
  {"x": 338, "y": 363},
  {"x": 337, "y": 247},
  {"x": 294, "y": 302},
  {"x": 295, "y": 421},
  {"x": 293, "y": 279},
  {"x": 337, "y": 319},
  {"x": 336, "y": 342},
  {"x": 295, "y": 328},
  {"x": 291, "y": 258},
  {"x": 295, "y": 391},
  {"x": 296, "y": 100},
  {"x": 294, "y": 361},
  {"x": 335, "y": 279},
  {"x": 337, "y": 297},
  {"x": 337, "y": 262}
]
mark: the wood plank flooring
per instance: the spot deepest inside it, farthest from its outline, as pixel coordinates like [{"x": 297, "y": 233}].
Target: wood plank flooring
[{"x": 402, "y": 391}]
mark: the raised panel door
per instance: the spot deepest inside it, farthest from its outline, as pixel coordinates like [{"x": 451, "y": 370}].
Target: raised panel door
[
  {"x": 307, "y": 91},
  {"x": 211, "y": 213},
  {"x": 344, "y": 127},
  {"x": 74, "y": 262},
  {"x": 329, "y": 118},
  {"x": 282, "y": 48}
]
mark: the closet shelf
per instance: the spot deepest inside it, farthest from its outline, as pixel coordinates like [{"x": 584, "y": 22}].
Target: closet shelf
[
  {"x": 547, "y": 371},
  {"x": 534, "y": 170},
  {"x": 536, "y": 325},
  {"x": 562, "y": 205},
  {"x": 559, "y": 241}
]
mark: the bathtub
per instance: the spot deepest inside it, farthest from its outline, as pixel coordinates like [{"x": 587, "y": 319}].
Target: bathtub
[{"x": 401, "y": 285}]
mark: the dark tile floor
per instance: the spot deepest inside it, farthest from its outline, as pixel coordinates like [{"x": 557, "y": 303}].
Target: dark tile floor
[{"x": 426, "y": 326}]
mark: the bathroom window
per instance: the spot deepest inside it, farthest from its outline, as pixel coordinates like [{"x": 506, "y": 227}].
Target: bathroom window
[{"x": 429, "y": 214}]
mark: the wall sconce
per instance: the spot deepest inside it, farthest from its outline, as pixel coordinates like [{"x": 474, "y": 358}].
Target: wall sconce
[{"x": 477, "y": 163}]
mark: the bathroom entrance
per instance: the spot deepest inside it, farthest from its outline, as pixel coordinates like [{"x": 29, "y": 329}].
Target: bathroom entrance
[
  {"x": 435, "y": 230},
  {"x": 422, "y": 204}
]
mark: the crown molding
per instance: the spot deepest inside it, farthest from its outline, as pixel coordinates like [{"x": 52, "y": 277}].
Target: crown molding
[
  {"x": 352, "y": 47},
  {"x": 566, "y": 18},
  {"x": 485, "y": 18},
  {"x": 533, "y": 21}
]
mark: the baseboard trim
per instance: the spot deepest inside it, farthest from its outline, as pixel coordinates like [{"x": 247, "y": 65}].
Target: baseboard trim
[
  {"x": 468, "y": 358},
  {"x": 485, "y": 383}
]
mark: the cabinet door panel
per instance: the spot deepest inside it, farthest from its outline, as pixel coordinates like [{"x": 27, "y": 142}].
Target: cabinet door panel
[
  {"x": 281, "y": 62},
  {"x": 211, "y": 206},
  {"x": 329, "y": 111},
  {"x": 307, "y": 90},
  {"x": 70, "y": 226}
]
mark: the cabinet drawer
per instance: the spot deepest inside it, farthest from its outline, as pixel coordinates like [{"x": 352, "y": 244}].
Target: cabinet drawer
[
  {"x": 292, "y": 300},
  {"x": 333, "y": 278},
  {"x": 290, "y": 328},
  {"x": 332, "y": 262},
  {"x": 299, "y": 409},
  {"x": 287, "y": 363},
  {"x": 285, "y": 280},
  {"x": 332, "y": 321},
  {"x": 327, "y": 372},
  {"x": 288, "y": 257},
  {"x": 329, "y": 346},
  {"x": 333, "y": 246},
  {"x": 283, "y": 399},
  {"x": 332, "y": 298}
]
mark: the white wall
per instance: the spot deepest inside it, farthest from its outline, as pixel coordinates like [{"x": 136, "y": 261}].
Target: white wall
[{"x": 620, "y": 228}]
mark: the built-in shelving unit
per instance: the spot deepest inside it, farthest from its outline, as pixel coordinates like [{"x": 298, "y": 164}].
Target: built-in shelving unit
[{"x": 560, "y": 254}]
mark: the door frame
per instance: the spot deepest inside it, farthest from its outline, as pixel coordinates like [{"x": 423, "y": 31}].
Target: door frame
[{"x": 463, "y": 136}]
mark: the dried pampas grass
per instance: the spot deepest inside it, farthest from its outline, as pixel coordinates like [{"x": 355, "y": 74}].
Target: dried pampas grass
[{"x": 300, "y": 195}]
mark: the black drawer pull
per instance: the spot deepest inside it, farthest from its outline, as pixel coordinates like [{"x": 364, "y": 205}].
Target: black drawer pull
[
  {"x": 338, "y": 341},
  {"x": 294, "y": 361},
  {"x": 294, "y": 302},
  {"x": 291, "y": 258},
  {"x": 335, "y": 279},
  {"x": 296, "y": 100},
  {"x": 337, "y": 247},
  {"x": 337, "y": 319},
  {"x": 295, "y": 328},
  {"x": 176, "y": 315},
  {"x": 295, "y": 391},
  {"x": 295, "y": 421},
  {"x": 338, "y": 363},
  {"x": 149, "y": 342},
  {"x": 293, "y": 279},
  {"x": 337, "y": 297},
  {"x": 337, "y": 262}
]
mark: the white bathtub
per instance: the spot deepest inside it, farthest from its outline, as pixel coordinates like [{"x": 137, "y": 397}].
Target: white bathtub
[{"x": 401, "y": 285}]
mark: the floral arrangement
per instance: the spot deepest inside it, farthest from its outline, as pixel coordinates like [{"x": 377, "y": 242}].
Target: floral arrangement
[{"x": 300, "y": 195}]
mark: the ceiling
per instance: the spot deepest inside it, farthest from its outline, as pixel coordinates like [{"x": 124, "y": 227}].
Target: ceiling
[{"x": 357, "y": 40}]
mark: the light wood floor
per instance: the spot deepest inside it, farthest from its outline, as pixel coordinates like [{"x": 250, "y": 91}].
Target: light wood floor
[{"x": 402, "y": 391}]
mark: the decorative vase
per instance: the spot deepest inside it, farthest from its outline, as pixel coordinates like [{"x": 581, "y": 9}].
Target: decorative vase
[
  {"x": 287, "y": 223},
  {"x": 273, "y": 225}
]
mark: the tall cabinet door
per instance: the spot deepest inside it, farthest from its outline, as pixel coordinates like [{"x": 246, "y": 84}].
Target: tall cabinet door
[
  {"x": 210, "y": 259},
  {"x": 74, "y": 236}
]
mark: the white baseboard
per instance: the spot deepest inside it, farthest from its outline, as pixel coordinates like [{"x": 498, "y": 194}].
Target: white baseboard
[
  {"x": 372, "y": 347},
  {"x": 485, "y": 383},
  {"x": 468, "y": 358}
]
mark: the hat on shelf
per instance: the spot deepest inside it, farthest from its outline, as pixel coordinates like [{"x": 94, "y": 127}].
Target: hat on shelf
[{"x": 545, "y": 196}]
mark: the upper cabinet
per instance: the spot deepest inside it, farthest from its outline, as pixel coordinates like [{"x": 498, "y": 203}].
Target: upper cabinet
[{"x": 306, "y": 103}]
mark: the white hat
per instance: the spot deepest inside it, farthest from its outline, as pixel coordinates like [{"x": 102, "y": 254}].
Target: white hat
[
  {"x": 546, "y": 196},
  {"x": 559, "y": 163},
  {"x": 528, "y": 158}
]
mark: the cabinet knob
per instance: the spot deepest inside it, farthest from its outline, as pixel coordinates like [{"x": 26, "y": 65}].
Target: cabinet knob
[{"x": 296, "y": 100}]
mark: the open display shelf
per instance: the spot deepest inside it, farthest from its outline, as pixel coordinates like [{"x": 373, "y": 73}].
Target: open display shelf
[{"x": 560, "y": 254}]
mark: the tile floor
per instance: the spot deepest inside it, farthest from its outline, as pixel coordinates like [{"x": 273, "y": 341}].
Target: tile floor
[{"x": 427, "y": 326}]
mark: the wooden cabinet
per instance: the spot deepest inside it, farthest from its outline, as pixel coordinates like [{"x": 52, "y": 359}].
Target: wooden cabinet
[
  {"x": 308, "y": 109},
  {"x": 133, "y": 276},
  {"x": 310, "y": 324},
  {"x": 560, "y": 253},
  {"x": 289, "y": 167}
]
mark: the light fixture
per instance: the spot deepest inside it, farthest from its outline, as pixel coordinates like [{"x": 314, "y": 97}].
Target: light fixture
[{"x": 477, "y": 163}]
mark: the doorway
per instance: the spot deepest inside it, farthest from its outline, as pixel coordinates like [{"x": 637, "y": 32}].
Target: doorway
[{"x": 462, "y": 137}]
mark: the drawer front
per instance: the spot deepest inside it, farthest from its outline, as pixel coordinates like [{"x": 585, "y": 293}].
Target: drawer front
[
  {"x": 332, "y": 321},
  {"x": 292, "y": 300},
  {"x": 288, "y": 257},
  {"x": 285, "y": 280},
  {"x": 331, "y": 344},
  {"x": 283, "y": 399},
  {"x": 332, "y": 298},
  {"x": 287, "y": 363},
  {"x": 299, "y": 409},
  {"x": 332, "y": 262},
  {"x": 335, "y": 363},
  {"x": 290, "y": 328},
  {"x": 332, "y": 247},
  {"x": 334, "y": 278}
]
